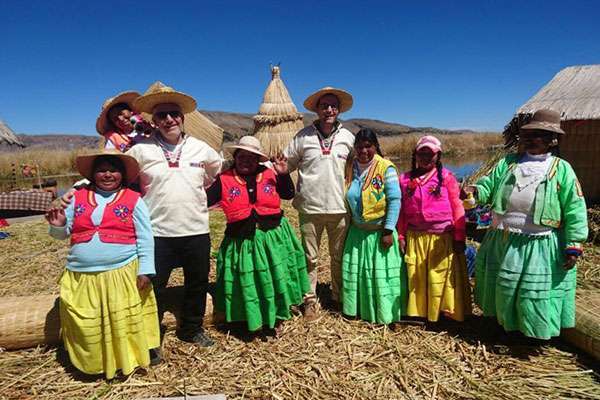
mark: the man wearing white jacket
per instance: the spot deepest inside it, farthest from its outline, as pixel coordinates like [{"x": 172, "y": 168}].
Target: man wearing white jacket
[{"x": 319, "y": 153}]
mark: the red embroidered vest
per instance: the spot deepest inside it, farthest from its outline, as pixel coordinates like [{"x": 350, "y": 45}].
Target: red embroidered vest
[
  {"x": 117, "y": 220},
  {"x": 235, "y": 201},
  {"x": 120, "y": 141}
]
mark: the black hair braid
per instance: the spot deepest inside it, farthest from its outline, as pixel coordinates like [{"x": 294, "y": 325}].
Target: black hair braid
[
  {"x": 413, "y": 165},
  {"x": 438, "y": 166},
  {"x": 378, "y": 149}
]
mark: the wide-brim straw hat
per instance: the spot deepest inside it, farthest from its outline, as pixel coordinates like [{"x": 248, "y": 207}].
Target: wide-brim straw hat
[
  {"x": 164, "y": 94},
  {"x": 251, "y": 144},
  {"x": 84, "y": 164},
  {"x": 102, "y": 122},
  {"x": 344, "y": 98},
  {"x": 545, "y": 120}
]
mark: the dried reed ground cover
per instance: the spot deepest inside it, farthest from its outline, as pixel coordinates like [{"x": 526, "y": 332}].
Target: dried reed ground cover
[{"x": 333, "y": 358}]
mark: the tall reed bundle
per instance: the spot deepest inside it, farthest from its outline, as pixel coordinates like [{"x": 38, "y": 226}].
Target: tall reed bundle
[
  {"x": 196, "y": 124},
  {"x": 277, "y": 120}
]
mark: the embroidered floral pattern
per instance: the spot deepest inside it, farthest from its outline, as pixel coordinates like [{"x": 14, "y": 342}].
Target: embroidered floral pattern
[
  {"x": 268, "y": 189},
  {"x": 377, "y": 182},
  {"x": 122, "y": 212},
  {"x": 234, "y": 192},
  {"x": 411, "y": 187},
  {"x": 79, "y": 210}
]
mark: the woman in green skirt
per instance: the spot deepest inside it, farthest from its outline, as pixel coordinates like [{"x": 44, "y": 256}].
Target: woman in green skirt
[
  {"x": 525, "y": 268},
  {"x": 373, "y": 272},
  {"x": 261, "y": 269}
]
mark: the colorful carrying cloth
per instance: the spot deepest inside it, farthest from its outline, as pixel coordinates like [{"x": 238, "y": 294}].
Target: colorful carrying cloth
[
  {"x": 437, "y": 277},
  {"x": 106, "y": 323},
  {"x": 259, "y": 279},
  {"x": 521, "y": 281},
  {"x": 374, "y": 279}
]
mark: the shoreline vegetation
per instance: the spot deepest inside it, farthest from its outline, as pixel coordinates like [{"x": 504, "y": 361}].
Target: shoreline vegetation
[{"x": 58, "y": 162}]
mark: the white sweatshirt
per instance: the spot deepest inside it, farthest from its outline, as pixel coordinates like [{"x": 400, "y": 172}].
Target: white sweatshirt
[
  {"x": 176, "y": 196},
  {"x": 320, "y": 188}
]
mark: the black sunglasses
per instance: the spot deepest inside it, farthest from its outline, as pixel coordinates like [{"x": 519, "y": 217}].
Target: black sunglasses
[{"x": 164, "y": 114}]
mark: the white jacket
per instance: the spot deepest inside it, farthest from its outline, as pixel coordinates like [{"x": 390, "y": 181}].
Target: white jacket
[
  {"x": 320, "y": 188},
  {"x": 175, "y": 196}
]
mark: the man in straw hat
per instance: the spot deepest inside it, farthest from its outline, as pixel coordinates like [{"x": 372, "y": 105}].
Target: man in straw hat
[
  {"x": 118, "y": 123},
  {"x": 175, "y": 168},
  {"x": 319, "y": 153}
]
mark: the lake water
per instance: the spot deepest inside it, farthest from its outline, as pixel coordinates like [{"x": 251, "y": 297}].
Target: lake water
[{"x": 461, "y": 166}]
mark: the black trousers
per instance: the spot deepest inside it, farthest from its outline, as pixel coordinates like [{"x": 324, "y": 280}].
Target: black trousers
[{"x": 192, "y": 253}]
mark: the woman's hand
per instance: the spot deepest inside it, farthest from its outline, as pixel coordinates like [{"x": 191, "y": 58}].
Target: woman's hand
[
  {"x": 402, "y": 244},
  {"x": 66, "y": 198},
  {"x": 570, "y": 260},
  {"x": 387, "y": 240},
  {"x": 56, "y": 217},
  {"x": 142, "y": 282},
  {"x": 280, "y": 164},
  {"x": 459, "y": 246},
  {"x": 467, "y": 192}
]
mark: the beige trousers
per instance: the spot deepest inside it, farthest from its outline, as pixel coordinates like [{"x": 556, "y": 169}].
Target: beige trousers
[{"x": 311, "y": 227}]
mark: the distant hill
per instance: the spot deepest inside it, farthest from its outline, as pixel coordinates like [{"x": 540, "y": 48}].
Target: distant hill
[
  {"x": 235, "y": 125},
  {"x": 59, "y": 141}
]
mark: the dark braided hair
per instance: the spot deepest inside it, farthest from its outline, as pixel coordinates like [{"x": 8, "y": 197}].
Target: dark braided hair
[
  {"x": 438, "y": 166},
  {"x": 368, "y": 135}
]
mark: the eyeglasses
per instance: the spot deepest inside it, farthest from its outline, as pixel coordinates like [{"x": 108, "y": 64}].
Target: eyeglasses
[
  {"x": 164, "y": 114},
  {"x": 325, "y": 106}
]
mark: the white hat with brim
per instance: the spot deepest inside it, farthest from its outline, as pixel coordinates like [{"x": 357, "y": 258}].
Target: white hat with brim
[
  {"x": 343, "y": 97},
  {"x": 103, "y": 125},
  {"x": 85, "y": 164},
  {"x": 251, "y": 144},
  {"x": 164, "y": 95}
]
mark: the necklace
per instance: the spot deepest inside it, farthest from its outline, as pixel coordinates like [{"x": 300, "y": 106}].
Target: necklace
[{"x": 172, "y": 157}]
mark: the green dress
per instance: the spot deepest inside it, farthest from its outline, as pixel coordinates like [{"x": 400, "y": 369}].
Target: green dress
[{"x": 258, "y": 279}]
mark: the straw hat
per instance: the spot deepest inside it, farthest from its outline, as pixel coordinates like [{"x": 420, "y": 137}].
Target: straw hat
[
  {"x": 164, "y": 94},
  {"x": 431, "y": 142},
  {"x": 344, "y": 98},
  {"x": 251, "y": 144},
  {"x": 102, "y": 122},
  {"x": 545, "y": 120},
  {"x": 84, "y": 164}
]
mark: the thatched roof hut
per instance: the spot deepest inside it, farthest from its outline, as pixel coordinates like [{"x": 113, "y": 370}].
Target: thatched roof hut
[
  {"x": 277, "y": 120},
  {"x": 8, "y": 137},
  {"x": 575, "y": 93},
  {"x": 199, "y": 126}
]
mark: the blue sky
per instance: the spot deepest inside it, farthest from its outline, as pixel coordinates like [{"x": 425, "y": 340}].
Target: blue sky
[{"x": 448, "y": 64}]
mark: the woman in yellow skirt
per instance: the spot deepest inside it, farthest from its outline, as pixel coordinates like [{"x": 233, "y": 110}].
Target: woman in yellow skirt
[
  {"x": 431, "y": 231},
  {"x": 108, "y": 312}
]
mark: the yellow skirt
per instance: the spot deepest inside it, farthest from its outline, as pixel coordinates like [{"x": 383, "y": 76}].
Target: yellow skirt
[
  {"x": 437, "y": 278},
  {"x": 106, "y": 323}
]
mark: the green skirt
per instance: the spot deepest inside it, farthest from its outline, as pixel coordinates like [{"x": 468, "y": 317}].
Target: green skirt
[
  {"x": 374, "y": 279},
  {"x": 520, "y": 280},
  {"x": 259, "y": 279}
]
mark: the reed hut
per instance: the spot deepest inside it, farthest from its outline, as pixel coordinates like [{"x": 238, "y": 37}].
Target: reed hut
[
  {"x": 197, "y": 125},
  {"x": 575, "y": 93},
  {"x": 277, "y": 120},
  {"x": 8, "y": 137}
]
